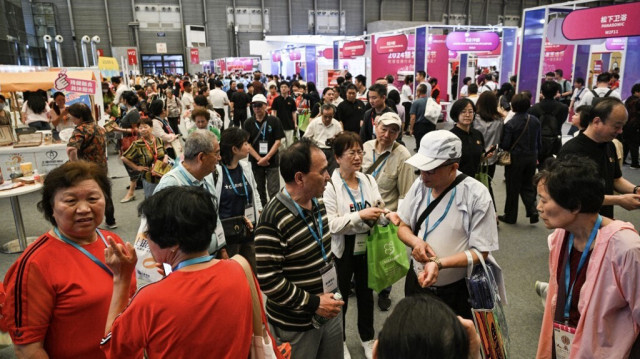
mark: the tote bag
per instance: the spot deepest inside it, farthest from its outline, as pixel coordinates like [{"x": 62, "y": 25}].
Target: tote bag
[{"x": 387, "y": 260}]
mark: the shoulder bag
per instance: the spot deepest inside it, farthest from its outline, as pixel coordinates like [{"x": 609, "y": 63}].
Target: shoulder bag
[
  {"x": 235, "y": 229},
  {"x": 435, "y": 202},
  {"x": 381, "y": 158},
  {"x": 504, "y": 157},
  {"x": 127, "y": 141}
]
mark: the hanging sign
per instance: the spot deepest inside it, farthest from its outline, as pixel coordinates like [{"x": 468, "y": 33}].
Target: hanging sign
[
  {"x": 603, "y": 22},
  {"x": 472, "y": 41},
  {"x": 161, "y": 47},
  {"x": 68, "y": 84},
  {"x": 132, "y": 56},
  {"x": 354, "y": 48},
  {"x": 276, "y": 57},
  {"x": 391, "y": 44},
  {"x": 294, "y": 55},
  {"x": 195, "y": 55},
  {"x": 328, "y": 53},
  {"x": 615, "y": 44}
]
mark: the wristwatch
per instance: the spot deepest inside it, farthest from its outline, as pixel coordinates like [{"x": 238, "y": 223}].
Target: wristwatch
[
  {"x": 436, "y": 260},
  {"x": 635, "y": 189}
]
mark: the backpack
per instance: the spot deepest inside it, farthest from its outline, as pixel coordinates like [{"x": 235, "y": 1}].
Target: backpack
[
  {"x": 597, "y": 98},
  {"x": 432, "y": 110},
  {"x": 549, "y": 124}
]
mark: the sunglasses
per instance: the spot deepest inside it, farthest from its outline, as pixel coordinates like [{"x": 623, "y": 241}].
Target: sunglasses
[{"x": 256, "y": 105}]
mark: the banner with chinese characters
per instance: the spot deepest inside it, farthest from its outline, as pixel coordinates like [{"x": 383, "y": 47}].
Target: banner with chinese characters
[
  {"x": 438, "y": 62},
  {"x": 68, "y": 84},
  {"x": 602, "y": 22},
  {"x": 354, "y": 48},
  {"x": 390, "y": 55},
  {"x": 558, "y": 57},
  {"x": 472, "y": 41},
  {"x": 194, "y": 53}
]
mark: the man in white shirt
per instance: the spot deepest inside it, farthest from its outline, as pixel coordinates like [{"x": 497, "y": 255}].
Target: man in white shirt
[
  {"x": 461, "y": 217},
  {"x": 578, "y": 94},
  {"x": 486, "y": 83},
  {"x": 602, "y": 90},
  {"x": 218, "y": 99},
  {"x": 116, "y": 81},
  {"x": 363, "y": 92},
  {"x": 322, "y": 130},
  {"x": 187, "y": 97},
  {"x": 421, "y": 78}
]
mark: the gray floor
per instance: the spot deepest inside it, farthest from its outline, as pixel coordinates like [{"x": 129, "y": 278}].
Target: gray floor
[{"x": 523, "y": 256}]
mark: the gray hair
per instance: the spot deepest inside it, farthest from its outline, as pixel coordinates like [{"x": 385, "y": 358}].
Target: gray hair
[
  {"x": 198, "y": 141},
  {"x": 328, "y": 106}
]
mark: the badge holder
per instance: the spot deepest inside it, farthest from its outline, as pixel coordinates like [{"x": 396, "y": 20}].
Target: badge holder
[
  {"x": 263, "y": 148},
  {"x": 329, "y": 278},
  {"x": 360, "y": 244},
  {"x": 563, "y": 338}
]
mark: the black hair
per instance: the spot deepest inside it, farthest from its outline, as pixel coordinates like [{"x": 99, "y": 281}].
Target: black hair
[
  {"x": 327, "y": 89},
  {"x": 344, "y": 141},
  {"x": 348, "y": 76},
  {"x": 2, "y": 98},
  {"x": 340, "y": 80},
  {"x": 422, "y": 73},
  {"x": 116, "y": 79},
  {"x": 513, "y": 78},
  {"x": 380, "y": 89},
  {"x": 559, "y": 72},
  {"x": 466, "y": 80},
  {"x": 404, "y": 334},
  {"x": 351, "y": 87},
  {"x": 240, "y": 86},
  {"x": 130, "y": 98},
  {"x": 311, "y": 87},
  {"x": 551, "y": 74},
  {"x": 635, "y": 88},
  {"x": 201, "y": 100},
  {"x": 389, "y": 79},
  {"x": 81, "y": 111},
  {"x": 604, "y": 77},
  {"x": 362, "y": 79},
  {"x": 36, "y": 103},
  {"x": 156, "y": 107},
  {"x": 549, "y": 89},
  {"x": 422, "y": 88},
  {"x": 603, "y": 108},
  {"x": 433, "y": 81},
  {"x": 69, "y": 175},
  {"x": 230, "y": 138},
  {"x": 394, "y": 96},
  {"x": 507, "y": 91},
  {"x": 218, "y": 83},
  {"x": 459, "y": 106},
  {"x": 573, "y": 183},
  {"x": 296, "y": 158},
  {"x": 180, "y": 215},
  {"x": 584, "y": 112},
  {"x": 520, "y": 103},
  {"x": 472, "y": 88}
]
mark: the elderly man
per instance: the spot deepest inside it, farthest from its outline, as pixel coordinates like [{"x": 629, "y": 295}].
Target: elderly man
[
  {"x": 444, "y": 214},
  {"x": 294, "y": 260},
  {"x": 384, "y": 159},
  {"x": 606, "y": 121},
  {"x": 322, "y": 130},
  {"x": 201, "y": 156}
]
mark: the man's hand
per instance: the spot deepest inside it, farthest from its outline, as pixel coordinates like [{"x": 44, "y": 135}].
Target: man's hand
[
  {"x": 422, "y": 251},
  {"x": 394, "y": 218},
  {"x": 371, "y": 213},
  {"x": 629, "y": 201},
  {"x": 429, "y": 276},
  {"x": 329, "y": 307},
  {"x": 263, "y": 161},
  {"x": 120, "y": 258}
]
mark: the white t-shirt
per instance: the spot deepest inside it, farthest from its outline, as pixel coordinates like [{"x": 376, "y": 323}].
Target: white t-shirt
[
  {"x": 187, "y": 101},
  {"x": 406, "y": 92},
  {"x": 218, "y": 98},
  {"x": 578, "y": 97},
  {"x": 587, "y": 96},
  {"x": 464, "y": 91},
  {"x": 121, "y": 88},
  {"x": 488, "y": 86},
  {"x": 319, "y": 133},
  {"x": 35, "y": 117}
]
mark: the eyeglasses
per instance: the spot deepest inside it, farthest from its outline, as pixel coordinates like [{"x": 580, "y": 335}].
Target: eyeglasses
[
  {"x": 433, "y": 171},
  {"x": 257, "y": 105},
  {"x": 353, "y": 153}
]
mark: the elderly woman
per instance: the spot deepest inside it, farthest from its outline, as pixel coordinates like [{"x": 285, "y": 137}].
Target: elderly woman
[
  {"x": 237, "y": 191},
  {"x": 521, "y": 137},
  {"x": 201, "y": 118},
  {"x": 142, "y": 156},
  {"x": 161, "y": 127},
  {"x": 592, "y": 308},
  {"x": 352, "y": 199},
  {"x": 173, "y": 106},
  {"x": 58, "y": 290},
  {"x": 201, "y": 310},
  {"x": 473, "y": 149}
]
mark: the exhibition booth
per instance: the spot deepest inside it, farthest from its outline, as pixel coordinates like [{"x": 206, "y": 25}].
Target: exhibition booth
[{"x": 229, "y": 65}]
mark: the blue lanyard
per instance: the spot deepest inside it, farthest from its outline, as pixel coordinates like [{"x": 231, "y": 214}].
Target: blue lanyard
[
  {"x": 319, "y": 225},
  {"x": 84, "y": 251},
  {"x": 375, "y": 173},
  {"x": 184, "y": 174},
  {"x": 263, "y": 129},
  {"x": 233, "y": 185},
  {"x": 567, "y": 270},
  {"x": 355, "y": 204},
  {"x": 192, "y": 261},
  {"x": 435, "y": 225}
]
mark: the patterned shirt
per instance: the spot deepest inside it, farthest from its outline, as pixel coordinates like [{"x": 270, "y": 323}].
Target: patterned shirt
[
  {"x": 142, "y": 154},
  {"x": 91, "y": 142}
]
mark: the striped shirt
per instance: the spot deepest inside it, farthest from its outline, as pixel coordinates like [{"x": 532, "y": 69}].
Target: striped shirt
[{"x": 289, "y": 261}]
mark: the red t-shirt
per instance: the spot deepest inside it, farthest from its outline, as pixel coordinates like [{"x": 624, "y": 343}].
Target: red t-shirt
[
  {"x": 57, "y": 295},
  {"x": 201, "y": 314}
]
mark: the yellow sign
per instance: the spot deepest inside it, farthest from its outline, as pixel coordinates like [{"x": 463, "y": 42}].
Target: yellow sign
[{"x": 108, "y": 66}]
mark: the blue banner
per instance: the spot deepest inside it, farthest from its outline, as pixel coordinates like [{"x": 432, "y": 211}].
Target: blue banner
[
  {"x": 420, "y": 50},
  {"x": 530, "y": 54},
  {"x": 582, "y": 62},
  {"x": 508, "y": 55},
  {"x": 631, "y": 66},
  {"x": 310, "y": 59}
]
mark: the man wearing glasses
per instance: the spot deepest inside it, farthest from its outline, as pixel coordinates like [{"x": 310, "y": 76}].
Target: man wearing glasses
[
  {"x": 461, "y": 217},
  {"x": 322, "y": 131},
  {"x": 265, "y": 137}
]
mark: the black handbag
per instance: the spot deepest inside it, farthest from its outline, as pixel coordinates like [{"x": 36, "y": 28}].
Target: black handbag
[{"x": 235, "y": 229}]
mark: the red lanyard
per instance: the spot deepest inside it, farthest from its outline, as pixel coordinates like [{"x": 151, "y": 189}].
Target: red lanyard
[{"x": 155, "y": 147}]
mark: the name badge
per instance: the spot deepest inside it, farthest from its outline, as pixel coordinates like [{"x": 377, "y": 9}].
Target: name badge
[
  {"x": 250, "y": 214},
  {"x": 563, "y": 337},
  {"x": 360, "y": 245},
  {"x": 220, "y": 235},
  {"x": 329, "y": 278},
  {"x": 263, "y": 148},
  {"x": 167, "y": 269}
]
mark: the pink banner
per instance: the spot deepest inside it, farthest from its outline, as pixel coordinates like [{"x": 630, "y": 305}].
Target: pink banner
[
  {"x": 558, "y": 57},
  {"x": 276, "y": 57},
  {"x": 295, "y": 55},
  {"x": 354, "y": 48},
  {"x": 132, "y": 56},
  {"x": 383, "y": 63},
  {"x": 392, "y": 44},
  {"x": 549, "y": 47},
  {"x": 602, "y": 22},
  {"x": 472, "y": 41},
  {"x": 68, "y": 84},
  {"x": 615, "y": 44},
  {"x": 327, "y": 53},
  {"x": 438, "y": 62},
  {"x": 240, "y": 63}
]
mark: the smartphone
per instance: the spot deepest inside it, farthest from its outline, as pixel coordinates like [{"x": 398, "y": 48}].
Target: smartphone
[{"x": 492, "y": 148}]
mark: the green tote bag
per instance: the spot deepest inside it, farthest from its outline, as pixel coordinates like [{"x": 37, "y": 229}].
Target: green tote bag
[{"x": 387, "y": 259}]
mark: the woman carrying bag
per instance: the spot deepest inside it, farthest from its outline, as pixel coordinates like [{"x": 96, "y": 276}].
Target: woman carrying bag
[
  {"x": 240, "y": 204},
  {"x": 352, "y": 199}
]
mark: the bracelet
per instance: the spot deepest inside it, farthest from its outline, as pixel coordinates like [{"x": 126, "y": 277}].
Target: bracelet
[
  {"x": 635, "y": 189},
  {"x": 436, "y": 260}
]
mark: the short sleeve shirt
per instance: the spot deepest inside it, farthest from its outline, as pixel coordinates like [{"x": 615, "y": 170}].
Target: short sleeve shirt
[
  {"x": 145, "y": 154},
  {"x": 272, "y": 132},
  {"x": 417, "y": 108},
  {"x": 284, "y": 107},
  {"x": 90, "y": 141}
]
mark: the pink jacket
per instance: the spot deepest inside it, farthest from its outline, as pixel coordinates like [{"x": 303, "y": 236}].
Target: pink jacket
[{"x": 609, "y": 300}]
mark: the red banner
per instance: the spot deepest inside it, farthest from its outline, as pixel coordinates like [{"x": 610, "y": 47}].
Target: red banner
[
  {"x": 327, "y": 53},
  {"x": 195, "y": 55},
  {"x": 390, "y": 44},
  {"x": 132, "y": 56},
  {"x": 354, "y": 48},
  {"x": 100, "y": 52},
  {"x": 602, "y": 22}
]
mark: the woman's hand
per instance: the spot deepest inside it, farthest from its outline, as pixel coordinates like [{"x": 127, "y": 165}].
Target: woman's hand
[
  {"x": 142, "y": 168},
  {"x": 121, "y": 258},
  {"x": 371, "y": 213}
]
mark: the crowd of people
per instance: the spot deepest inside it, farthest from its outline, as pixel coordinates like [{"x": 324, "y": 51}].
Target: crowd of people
[{"x": 229, "y": 139}]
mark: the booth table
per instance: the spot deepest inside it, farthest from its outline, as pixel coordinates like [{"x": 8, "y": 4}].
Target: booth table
[
  {"x": 44, "y": 157},
  {"x": 20, "y": 244}
]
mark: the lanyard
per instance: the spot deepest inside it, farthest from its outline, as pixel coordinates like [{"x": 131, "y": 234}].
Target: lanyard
[
  {"x": 84, "y": 251},
  {"x": 435, "y": 225},
  {"x": 375, "y": 173},
  {"x": 319, "y": 225},
  {"x": 184, "y": 174},
  {"x": 262, "y": 130},
  {"x": 155, "y": 148},
  {"x": 579, "y": 93},
  {"x": 567, "y": 270},
  {"x": 166, "y": 125},
  {"x": 233, "y": 185},
  {"x": 192, "y": 261},
  {"x": 355, "y": 204}
]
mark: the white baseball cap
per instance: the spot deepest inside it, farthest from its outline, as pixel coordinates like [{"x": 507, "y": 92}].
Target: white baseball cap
[
  {"x": 390, "y": 118},
  {"x": 436, "y": 147},
  {"x": 259, "y": 98}
]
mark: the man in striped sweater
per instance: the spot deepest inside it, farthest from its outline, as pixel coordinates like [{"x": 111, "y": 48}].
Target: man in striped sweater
[{"x": 294, "y": 259}]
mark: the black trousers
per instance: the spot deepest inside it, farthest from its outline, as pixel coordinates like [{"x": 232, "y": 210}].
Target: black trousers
[
  {"x": 519, "y": 180},
  {"x": 492, "y": 172},
  {"x": 220, "y": 112},
  {"x": 455, "y": 295},
  {"x": 109, "y": 211},
  {"x": 631, "y": 146},
  {"x": 420, "y": 129},
  {"x": 356, "y": 266},
  {"x": 173, "y": 122},
  {"x": 407, "y": 116}
]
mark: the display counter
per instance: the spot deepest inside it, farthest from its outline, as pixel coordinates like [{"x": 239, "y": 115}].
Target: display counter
[{"x": 44, "y": 157}]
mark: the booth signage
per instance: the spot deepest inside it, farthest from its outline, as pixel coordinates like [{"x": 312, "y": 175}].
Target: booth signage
[
  {"x": 276, "y": 57},
  {"x": 354, "y": 48},
  {"x": 195, "y": 55},
  {"x": 68, "y": 84},
  {"x": 161, "y": 47},
  {"x": 327, "y": 53},
  {"x": 615, "y": 44},
  {"x": 389, "y": 44},
  {"x": 132, "y": 56},
  {"x": 241, "y": 63},
  {"x": 549, "y": 47},
  {"x": 100, "y": 52},
  {"x": 472, "y": 41},
  {"x": 294, "y": 55},
  {"x": 603, "y": 22}
]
